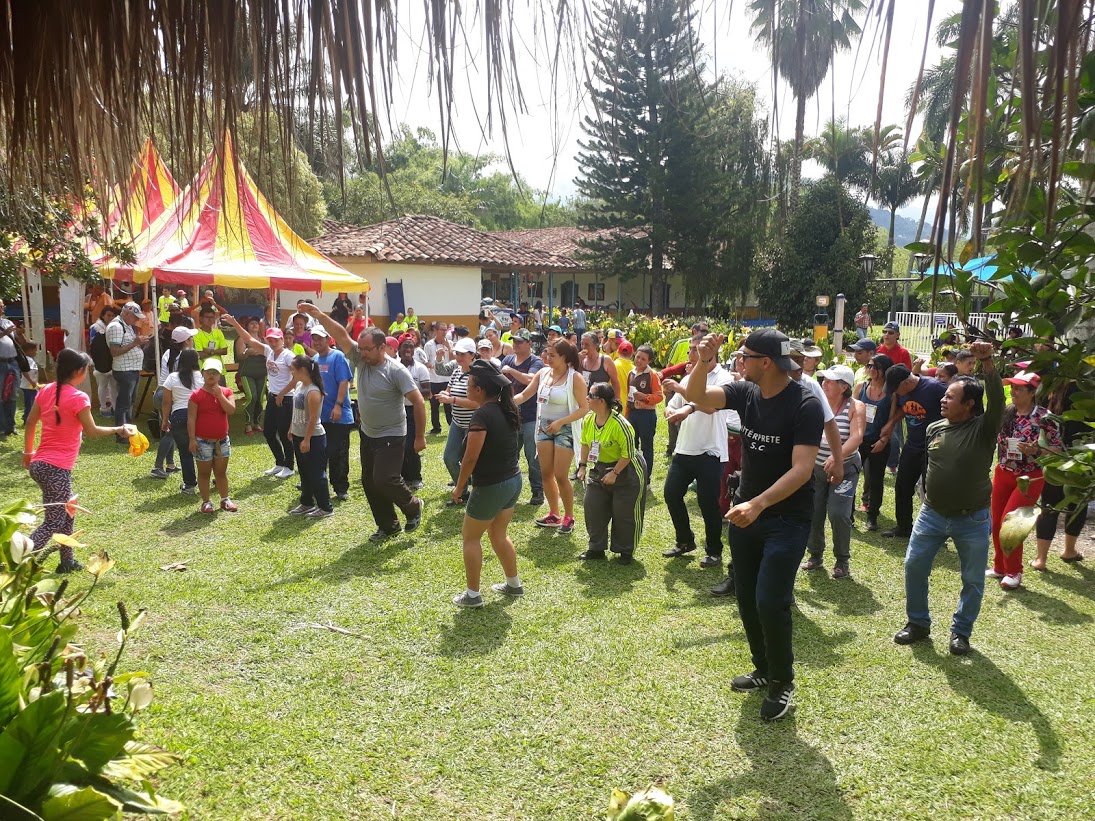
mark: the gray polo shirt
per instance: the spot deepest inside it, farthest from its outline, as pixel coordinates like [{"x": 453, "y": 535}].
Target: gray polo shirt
[{"x": 380, "y": 392}]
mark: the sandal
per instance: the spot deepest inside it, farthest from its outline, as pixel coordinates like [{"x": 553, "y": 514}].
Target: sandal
[
  {"x": 1033, "y": 566},
  {"x": 247, "y": 429},
  {"x": 1079, "y": 557},
  {"x": 207, "y": 507}
]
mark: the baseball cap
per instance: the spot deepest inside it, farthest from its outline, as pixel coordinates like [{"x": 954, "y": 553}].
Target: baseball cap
[
  {"x": 484, "y": 344},
  {"x": 522, "y": 334},
  {"x": 840, "y": 373},
  {"x": 773, "y": 344},
  {"x": 892, "y": 326},
  {"x": 180, "y": 335},
  {"x": 213, "y": 365},
  {"x": 391, "y": 342},
  {"x": 614, "y": 333},
  {"x": 319, "y": 330},
  {"x": 181, "y": 292},
  {"x": 557, "y": 329},
  {"x": 864, "y": 345},
  {"x": 132, "y": 307},
  {"x": 626, "y": 347},
  {"x": 274, "y": 333},
  {"x": 1027, "y": 378},
  {"x": 464, "y": 345},
  {"x": 517, "y": 318},
  {"x": 405, "y": 337}
]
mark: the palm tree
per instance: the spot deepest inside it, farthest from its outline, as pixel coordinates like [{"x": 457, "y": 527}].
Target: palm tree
[
  {"x": 895, "y": 186},
  {"x": 802, "y": 37}
]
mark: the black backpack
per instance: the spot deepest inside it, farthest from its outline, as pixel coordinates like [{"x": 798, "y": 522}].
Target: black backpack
[{"x": 100, "y": 354}]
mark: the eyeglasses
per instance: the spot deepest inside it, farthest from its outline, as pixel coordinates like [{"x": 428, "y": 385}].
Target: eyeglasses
[{"x": 754, "y": 356}]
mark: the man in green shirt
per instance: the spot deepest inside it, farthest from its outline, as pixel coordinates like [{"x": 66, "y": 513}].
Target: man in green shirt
[
  {"x": 209, "y": 342},
  {"x": 960, "y": 449}
]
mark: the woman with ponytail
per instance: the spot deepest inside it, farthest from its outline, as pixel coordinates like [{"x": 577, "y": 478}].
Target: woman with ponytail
[
  {"x": 310, "y": 440},
  {"x": 614, "y": 473},
  {"x": 64, "y": 412},
  {"x": 490, "y": 464}
]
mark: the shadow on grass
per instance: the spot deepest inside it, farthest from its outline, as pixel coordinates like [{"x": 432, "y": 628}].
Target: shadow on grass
[
  {"x": 550, "y": 548},
  {"x": 784, "y": 777},
  {"x": 363, "y": 560},
  {"x": 189, "y": 524},
  {"x": 607, "y": 579},
  {"x": 986, "y": 685},
  {"x": 1050, "y": 610},
  {"x": 693, "y": 582},
  {"x": 815, "y": 647},
  {"x": 1074, "y": 578},
  {"x": 476, "y": 632},
  {"x": 845, "y": 597}
]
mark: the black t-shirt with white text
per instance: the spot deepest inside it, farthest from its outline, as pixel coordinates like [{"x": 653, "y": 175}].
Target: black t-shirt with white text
[{"x": 770, "y": 430}]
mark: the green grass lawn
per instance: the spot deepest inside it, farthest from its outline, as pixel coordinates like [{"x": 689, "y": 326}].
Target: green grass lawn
[{"x": 600, "y": 676}]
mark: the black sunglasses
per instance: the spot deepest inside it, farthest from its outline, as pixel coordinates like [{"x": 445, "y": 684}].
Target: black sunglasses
[{"x": 755, "y": 356}]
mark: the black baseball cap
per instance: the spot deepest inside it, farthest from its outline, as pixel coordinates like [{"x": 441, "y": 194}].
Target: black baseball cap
[
  {"x": 773, "y": 344},
  {"x": 864, "y": 345}
]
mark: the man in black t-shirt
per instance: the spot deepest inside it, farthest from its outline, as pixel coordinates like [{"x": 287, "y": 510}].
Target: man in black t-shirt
[
  {"x": 521, "y": 366},
  {"x": 769, "y": 523},
  {"x": 917, "y": 400}
]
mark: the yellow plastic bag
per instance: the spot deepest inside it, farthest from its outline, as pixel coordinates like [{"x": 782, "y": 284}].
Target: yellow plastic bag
[{"x": 138, "y": 444}]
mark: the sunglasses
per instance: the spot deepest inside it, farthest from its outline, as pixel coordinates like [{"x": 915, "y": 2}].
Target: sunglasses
[
  {"x": 889, "y": 333},
  {"x": 754, "y": 356}
]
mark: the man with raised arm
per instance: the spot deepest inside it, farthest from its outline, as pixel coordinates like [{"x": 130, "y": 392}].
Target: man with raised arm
[
  {"x": 769, "y": 522},
  {"x": 382, "y": 385}
]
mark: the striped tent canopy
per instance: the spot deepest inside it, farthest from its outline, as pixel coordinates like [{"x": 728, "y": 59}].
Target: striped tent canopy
[
  {"x": 148, "y": 193},
  {"x": 222, "y": 231}
]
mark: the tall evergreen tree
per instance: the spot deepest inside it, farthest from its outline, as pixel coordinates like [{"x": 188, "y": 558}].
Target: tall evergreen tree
[{"x": 642, "y": 72}]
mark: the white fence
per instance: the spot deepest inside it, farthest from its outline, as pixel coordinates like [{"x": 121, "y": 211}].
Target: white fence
[{"x": 917, "y": 332}]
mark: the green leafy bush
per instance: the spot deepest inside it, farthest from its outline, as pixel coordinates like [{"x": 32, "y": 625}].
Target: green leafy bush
[
  {"x": 67, "y": 723},
  {"x": 663, "y": 333}
]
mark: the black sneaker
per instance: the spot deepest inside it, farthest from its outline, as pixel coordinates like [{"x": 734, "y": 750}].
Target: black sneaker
[
  {"x": 463, "y": 501},
  {"x": 778, "y": 701},
  {"x": 872, "y": 525},
  {"x": 960, "y": 645},
  {"x": 711, "y": 561},
  {"x": 911, "y": 633},
  {"x": 749, "y": 682},
  {"x": 592, "y": 555},
  {"x": 625, "y": 558},
  {"x": 414, "y": 521},
  {"x": 74, "y": 566},
  {"x": 726, "y": 587},
  {"x": 382, "y": 534},
  {"x": 536, "y": 500},
  {"x": 896, "y": 533},
  {"x": 678, "y": 550}
]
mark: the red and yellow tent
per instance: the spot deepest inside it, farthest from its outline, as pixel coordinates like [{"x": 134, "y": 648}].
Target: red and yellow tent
[
  {"x": 222, "y": 231},
  {"x": 146, "y": 195}
]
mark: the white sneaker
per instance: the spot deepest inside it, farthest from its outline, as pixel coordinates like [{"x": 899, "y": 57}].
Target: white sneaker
[
  {"x": 992, "y": 574},
  {"x": 284, "y": 473},
  {"x": 1011, "y": 582},
  {"x": 274, "y": 471}
]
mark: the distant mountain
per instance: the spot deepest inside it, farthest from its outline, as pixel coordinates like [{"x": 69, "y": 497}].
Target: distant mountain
[{"x": 904, "y": 228}]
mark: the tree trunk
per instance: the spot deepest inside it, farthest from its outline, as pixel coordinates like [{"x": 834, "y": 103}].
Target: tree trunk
[
  {"x": 655, "y": 181},
  {"x": 920, "y": 225},
  {"x": 796, "y": 161}
]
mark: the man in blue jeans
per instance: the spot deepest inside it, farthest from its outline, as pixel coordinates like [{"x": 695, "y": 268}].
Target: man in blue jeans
[
  {"x": 127, "y": 348},
  {"x": 781, "y": 426},
  {"x": 960, "y": 450},
  {"x": 521, "y": 366}
]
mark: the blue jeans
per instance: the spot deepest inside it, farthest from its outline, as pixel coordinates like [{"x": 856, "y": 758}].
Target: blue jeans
[
  {"x": 861, "y": 332},
  {"x": 312, "y": 466},
  {"x": 454, "y": 450},
  {"x": 8, "y": 370},
  {"x": 645, "y": 423},
  {"x": 182, "y": 442},
  {"x": 127, "y": 382},
  {"x": 970, "y": 534},
  {"x": 527, "y": 442},
  {"x": 29, "y": 395},
  {"x": 766, "y": 557}
]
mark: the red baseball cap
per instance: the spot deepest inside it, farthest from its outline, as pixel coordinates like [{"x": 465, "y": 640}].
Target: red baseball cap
[
  {"x": 1024, "y": 378},
  {"x": 391, "y": 342}
]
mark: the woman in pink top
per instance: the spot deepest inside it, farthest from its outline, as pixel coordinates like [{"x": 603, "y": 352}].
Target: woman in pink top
[{"x": 65, "y": 413}]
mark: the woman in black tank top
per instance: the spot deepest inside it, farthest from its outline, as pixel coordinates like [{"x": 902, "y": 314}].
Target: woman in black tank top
[{"x": 596, "y": 366}]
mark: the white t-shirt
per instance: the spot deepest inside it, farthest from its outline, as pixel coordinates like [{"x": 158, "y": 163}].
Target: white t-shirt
[
  {"x": 180, "y": 394},
  {"x": 430, "y": 350},
  {"x": 32, "y": 371},
  {"x": 277, "y": 368},
  {"x": 815, "y": 388},
  {"x": 419, "y": 373},
  {"x": 703, "y": 432}
]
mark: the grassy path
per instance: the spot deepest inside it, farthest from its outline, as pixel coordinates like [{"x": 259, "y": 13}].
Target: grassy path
[{"x": 601, "y": 676}]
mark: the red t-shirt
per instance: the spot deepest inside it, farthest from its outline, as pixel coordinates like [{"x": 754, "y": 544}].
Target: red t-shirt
[
  {"x": 212, "y": 421},
  {"x": 899, "y": 355}
]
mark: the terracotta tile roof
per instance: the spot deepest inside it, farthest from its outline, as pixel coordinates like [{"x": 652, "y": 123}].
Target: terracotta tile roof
[
  {"x": 560, "y": 241},
  {"x": 423, "y": 239}
]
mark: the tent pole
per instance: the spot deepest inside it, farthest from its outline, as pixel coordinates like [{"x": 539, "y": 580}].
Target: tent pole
[
  {"x": 155, "y": 328},
  {"x": 27, "y": 329}
]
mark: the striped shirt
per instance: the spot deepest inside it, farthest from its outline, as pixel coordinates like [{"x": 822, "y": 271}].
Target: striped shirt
[
  {"x": 458, "y": 389},
  {"x": 844, "y": 425},
  {"x": 119, "y": 333}
]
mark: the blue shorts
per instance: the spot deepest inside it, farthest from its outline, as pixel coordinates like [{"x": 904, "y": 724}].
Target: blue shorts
[
  {"x": 562, "y": 439},
  {"x": 209, "y": 449},
  {"x": 487, "y": 501}
]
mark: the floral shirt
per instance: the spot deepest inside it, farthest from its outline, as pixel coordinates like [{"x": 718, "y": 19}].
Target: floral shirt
[{"x": 1025, "y": 429}]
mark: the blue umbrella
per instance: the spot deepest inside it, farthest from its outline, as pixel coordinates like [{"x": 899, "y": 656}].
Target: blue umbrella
[{"x": 983, "y": 268}]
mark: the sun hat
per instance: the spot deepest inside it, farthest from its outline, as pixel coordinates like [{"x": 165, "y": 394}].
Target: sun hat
[
  {"x": 773, "y": 344},
  {"x": 464, "y": 345},
  {"x": 181, "y": 334},
  {"x": 839, "y": 373},
  {"x": 810, "y": 349},
  {"x": 1027, "y": 379}
]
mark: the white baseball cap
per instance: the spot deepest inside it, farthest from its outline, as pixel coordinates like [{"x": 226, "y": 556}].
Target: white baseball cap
[
  {"x": 464, "y": 345},
  {"x": 180, "y": 335},
  {"x": 840, "y": 373}
]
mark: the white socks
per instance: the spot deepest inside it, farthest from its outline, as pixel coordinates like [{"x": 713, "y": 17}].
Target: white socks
[
  {"x": 473, "y": 594},
  {"x": 513, "y": 581}
]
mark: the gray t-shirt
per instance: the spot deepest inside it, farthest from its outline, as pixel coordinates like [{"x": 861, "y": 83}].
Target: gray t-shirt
[{"x": 380, "y": 392}]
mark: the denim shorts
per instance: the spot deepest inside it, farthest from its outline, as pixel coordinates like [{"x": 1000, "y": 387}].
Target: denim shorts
[
  {"x": 562, "y": 439},
  {"x": 208, "y": 449},
  {"x": 487, "y": 501}
]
